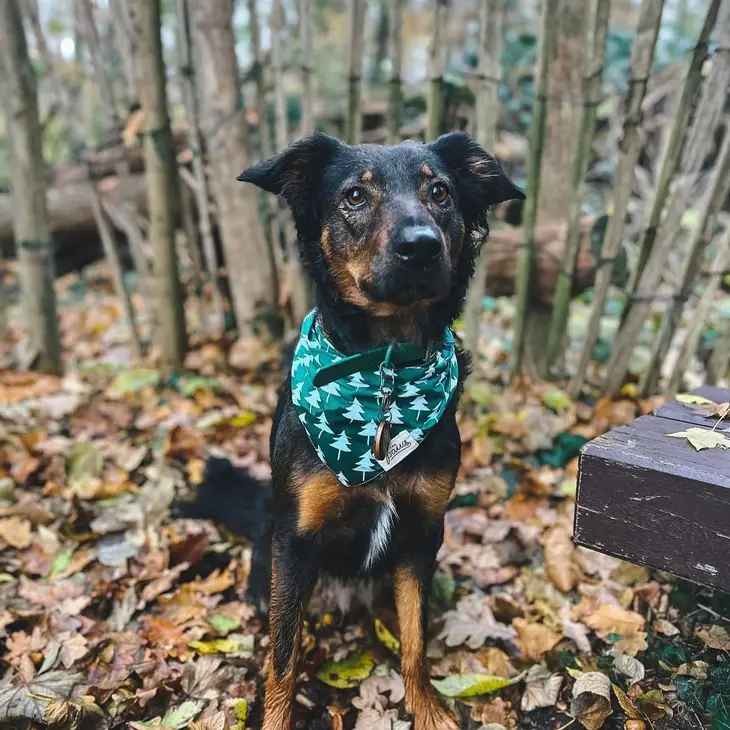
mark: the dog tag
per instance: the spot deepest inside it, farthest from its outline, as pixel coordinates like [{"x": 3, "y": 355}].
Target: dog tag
[{"x": 382, "y": 440}]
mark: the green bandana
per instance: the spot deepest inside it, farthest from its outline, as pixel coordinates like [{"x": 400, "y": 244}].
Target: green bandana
[{"x": 339, "y": 400}]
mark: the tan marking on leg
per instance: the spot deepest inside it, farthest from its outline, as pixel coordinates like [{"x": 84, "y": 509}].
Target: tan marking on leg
[
  {"x": 320, "y": 498},
  {"x": 432, "y": 491},
  {"x": 421, "y": 698}
]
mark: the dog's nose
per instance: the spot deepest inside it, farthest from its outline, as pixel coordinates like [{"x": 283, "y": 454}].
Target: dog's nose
[{"x": 418, "y": 244}]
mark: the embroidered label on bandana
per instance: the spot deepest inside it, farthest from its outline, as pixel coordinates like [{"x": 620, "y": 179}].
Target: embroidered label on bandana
[{"x": 341, "y": 417}]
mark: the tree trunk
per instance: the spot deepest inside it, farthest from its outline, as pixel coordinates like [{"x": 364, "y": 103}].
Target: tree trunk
[
  {"x": 592, "y": 92},
  {"x": 642, "y": 56},
  {"x": 436, "y": 61},
  {"x": 307, "y": 65},
  {"x": 395, "y": 43},
  {"x": 537, "y": 137},
  {"x": 487, "y": 113},
  {"x": 126, "y": 45},
  {"x": 162, "y": 182},
  {"x": 30, "y": 219},
  {"x": 248, "y": 259},
  {"x": 356, "y": 40}
]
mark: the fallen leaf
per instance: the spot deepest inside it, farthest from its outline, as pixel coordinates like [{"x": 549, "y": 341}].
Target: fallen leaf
[
  {"x": 629, "y": 667},
  {"x": 664, "y": 627},
  {"x": 470, "y": 685},
  {"x": 689, "y": 398},
  {"x": 534, "y": 639},
  {"x": 618, "y": 626},
  {"x": 348, "y": 672},
  {"x": 715, "y": 637},
  {"x": 556, "y": 399},
  {"x": 541, "y": 688},
  {"x": 15, "y": 531},
  {"x": 703, "y": 438},
  {"x": 559, "y": 565},
  {"x": 237, "y": 645},
  {"x": 28, "y": 700},
  {"x": 180, "y": 716},
  {"x": 591, "y": 703},
  {"x": 627, "y": 704},
  {"x": 133, "y": 381},
  {"x": 223, "y": 625},
  {"x": 472, "y": 623},
  {"x": 386, "y": 638}
]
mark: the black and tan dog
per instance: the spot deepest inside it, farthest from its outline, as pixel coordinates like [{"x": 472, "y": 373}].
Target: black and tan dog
[{"x": 387, "y": 235}]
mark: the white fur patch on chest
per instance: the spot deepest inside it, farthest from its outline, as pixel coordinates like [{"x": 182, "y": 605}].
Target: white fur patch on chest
[{"x": 380, "y": 536}]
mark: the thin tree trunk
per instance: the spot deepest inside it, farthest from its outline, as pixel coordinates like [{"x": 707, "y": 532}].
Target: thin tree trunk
[
  {"x": 713, "y": 199},
  {"x": 720, "y": 263},
  {"x": 225, "y": 131},
  {"x": 202, "y": 193},
  {"x": 487, "y": 115},
  {"x": 30, "y": 213},
  {"x": 537, "y": 136},
  {"x": 197, "y": 282},
  {"x": 436, "y": 61},
  {"x": 98, "y": 64},
  {"x": 307, "y": 66},
  {"x": 698, "y": 144},
  {"x": 125, "y": 222},
  {"x": 356, "y": 40},
  {"x": 126, "y": 44},
  {"x": 719, "y": 363},
  {"x": 642, "y": 56},
  {"x": 162, "y": 182},
  {"x": 112, "y": 256},
  {"x": 674, "y": 146},
  {"x": 565, "y": 77},
  {"x": 395, "y": 45},
  {"x": 592, "y": 92}
]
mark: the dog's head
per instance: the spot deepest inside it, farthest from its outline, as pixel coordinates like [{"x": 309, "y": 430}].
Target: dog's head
[{"x": 389, "y": 228}]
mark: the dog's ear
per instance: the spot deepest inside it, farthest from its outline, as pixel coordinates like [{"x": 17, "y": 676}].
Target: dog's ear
[
  {"x": 480, "y": 179},
  {"x": 293, "y": 172}
]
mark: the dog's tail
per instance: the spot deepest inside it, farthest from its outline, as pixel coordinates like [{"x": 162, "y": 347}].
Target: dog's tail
[{"x": 233, "y": 498}]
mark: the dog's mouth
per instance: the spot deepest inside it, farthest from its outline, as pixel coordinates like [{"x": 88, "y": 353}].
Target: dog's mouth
[{"x": 406, "y": 291}]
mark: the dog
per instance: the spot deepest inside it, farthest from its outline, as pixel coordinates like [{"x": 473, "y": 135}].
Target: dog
[{"x": 389, "y": 237}]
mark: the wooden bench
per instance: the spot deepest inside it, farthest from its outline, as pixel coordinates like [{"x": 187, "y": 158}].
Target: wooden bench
[{"x": 655, "y": 500}]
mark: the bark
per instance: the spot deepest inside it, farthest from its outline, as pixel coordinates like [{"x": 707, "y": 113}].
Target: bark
[
  {"x": 713, "y": 200},
  {"x": 642, "y": 56},
  {"x": 115, "y": 266},
  {"x": 307, "y": 67},
  {"x": 162, "y": 182},
  {"x": 98, "y": 63},
  {"x": 487, "y": 114},
  {"x": 30, "y": 214},
  {"x": 224, "y": 129},
  {"x": 699, "y": 141},
  {"x": 201, "y": 192},
  {"x": 436, "y": 61},
  {"x": 537, "y": 136},
  {"x": 126, "y": 45},
  {"x": 277, "y": 22},
  {"x": 395, "y": 44},
  {"x": 564, "y": 88},
  {"x": 717, "y": 367},
  {"x": 592, "y": 92},
  {"x": 356, "y": 41}
]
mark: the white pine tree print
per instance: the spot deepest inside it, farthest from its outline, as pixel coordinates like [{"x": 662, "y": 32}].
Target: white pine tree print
[
  {"x": 313, "y": 399},
  {"x": 296, "y": 395},
  {"x": 440, "y": 381},
  {"x": 417, "y": 435},
  {"x": 322, "y": 424},
  {"x": 366, "y": 463},
  {"x": 435, "y": 414},
  {"x": 331, "y": 389},
  {"x": 355, "y": 411},
  {"x": 396, "y": 415},
  {"x": 343, "y": 479},
  {"x": 356, "y": 381},
  {"x": 430, "y": 372},
  {"x": 369, "y": 430},
  {"x": 320, "y": 453},
  {"x": 411, "y": 389},
  {"x": 419, "y": 404},
  {"x": 303, "y": 417},
  {"x": 341, "y": 443}
]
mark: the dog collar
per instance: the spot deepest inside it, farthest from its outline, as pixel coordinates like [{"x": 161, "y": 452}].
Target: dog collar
[{"x": 345, "y": 402}]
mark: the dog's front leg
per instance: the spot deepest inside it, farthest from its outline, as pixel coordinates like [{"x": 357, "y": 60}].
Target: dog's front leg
[
  {"x": 411, "y": 583},
  {"x": 292, "y": 580}
]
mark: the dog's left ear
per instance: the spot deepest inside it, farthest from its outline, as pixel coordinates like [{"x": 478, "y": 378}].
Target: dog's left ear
[
  {"x": 480, "y": 179},
  {"x": 293, "y": 173}
]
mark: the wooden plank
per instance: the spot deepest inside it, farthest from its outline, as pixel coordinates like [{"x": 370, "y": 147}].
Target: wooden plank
[
  {"x": 654, "y": 500},
  {"x": 680, "y": 412}
]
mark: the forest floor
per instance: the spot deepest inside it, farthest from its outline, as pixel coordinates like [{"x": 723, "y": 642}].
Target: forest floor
[{"x": 115, "y": 614}]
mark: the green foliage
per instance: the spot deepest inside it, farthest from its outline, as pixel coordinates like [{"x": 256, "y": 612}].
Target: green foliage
[{"x": 690, "y": 691}]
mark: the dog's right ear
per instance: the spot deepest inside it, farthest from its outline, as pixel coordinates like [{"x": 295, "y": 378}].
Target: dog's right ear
[{"x": 293, "y": 172}]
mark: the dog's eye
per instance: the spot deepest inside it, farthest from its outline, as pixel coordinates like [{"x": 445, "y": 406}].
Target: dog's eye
[
  {"x": 355, "y": 197},
  {"x": 439, "y": 193}
]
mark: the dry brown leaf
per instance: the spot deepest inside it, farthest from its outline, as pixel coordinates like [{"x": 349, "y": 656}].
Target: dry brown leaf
[
  {"x": 664, "y": 627},
  {"x": 496, "y": 662},
  {"x": 559, "y": 564},
  {"x": 534, "y": 639},
  {"x": 627, "y": 704},
  {"x": 609, "y": 619},
  {"x": 494, "y": 712},
  {"x": 629, "y": 667},
  {"x": 15, "y": 531},
  {"x": 715, "y": 637},
  {"x": 217, "y": 721},
  {"x": 591, "y": 703}
]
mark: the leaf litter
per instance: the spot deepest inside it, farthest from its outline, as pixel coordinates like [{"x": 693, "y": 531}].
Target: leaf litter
[{"x": 113, "y": 607}]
